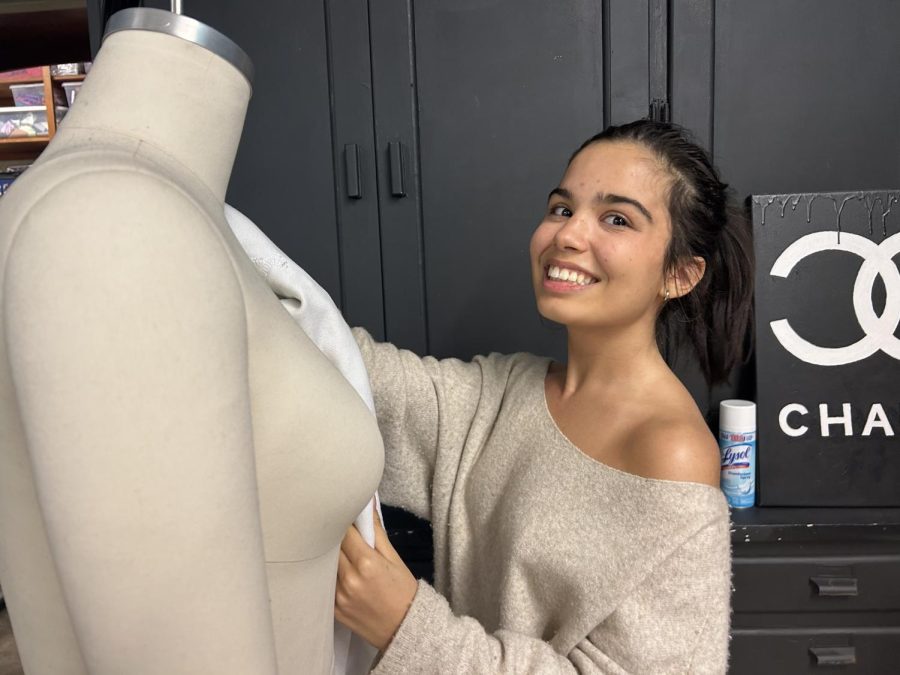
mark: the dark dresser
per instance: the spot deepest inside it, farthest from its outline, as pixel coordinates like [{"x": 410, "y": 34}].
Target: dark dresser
[{"x": 816, "y": 591}]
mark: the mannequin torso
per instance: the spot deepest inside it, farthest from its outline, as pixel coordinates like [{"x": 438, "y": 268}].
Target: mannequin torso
[{"x": 179, "y": 462}]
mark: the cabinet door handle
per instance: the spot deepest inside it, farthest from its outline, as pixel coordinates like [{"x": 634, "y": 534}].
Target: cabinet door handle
[
  {"x": 834, "y": 656},
  {"x": 835, "y": 587},
  {"x": 351, "y": 170},
  {"x": 395, "y": 154}
]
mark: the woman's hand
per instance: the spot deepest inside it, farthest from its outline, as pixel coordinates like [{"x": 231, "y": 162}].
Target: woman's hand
[{"x": 374, "y": 587}]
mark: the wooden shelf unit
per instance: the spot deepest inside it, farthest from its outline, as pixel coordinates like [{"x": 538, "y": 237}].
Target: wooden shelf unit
[{"x": 31, "y": 146}]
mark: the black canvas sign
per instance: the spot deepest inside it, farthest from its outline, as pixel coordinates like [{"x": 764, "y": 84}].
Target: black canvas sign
[{"x": 827, "y": 348}]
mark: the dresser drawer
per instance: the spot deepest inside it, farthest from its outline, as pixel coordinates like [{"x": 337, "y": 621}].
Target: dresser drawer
[
  {"x": 816, "y": 584},
  {"x": 874, "y": 651}
]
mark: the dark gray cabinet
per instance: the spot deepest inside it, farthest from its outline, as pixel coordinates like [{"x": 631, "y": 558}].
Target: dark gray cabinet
[{"x": 816, "y": 590}]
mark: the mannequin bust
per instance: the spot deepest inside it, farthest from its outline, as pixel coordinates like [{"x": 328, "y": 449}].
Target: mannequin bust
[{"x": 178, "y": 461}]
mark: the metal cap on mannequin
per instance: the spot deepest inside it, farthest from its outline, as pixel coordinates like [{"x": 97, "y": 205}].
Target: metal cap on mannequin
[{"x": 184, "y": 27}]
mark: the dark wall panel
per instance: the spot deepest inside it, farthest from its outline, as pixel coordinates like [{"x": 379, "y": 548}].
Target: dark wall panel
[
  {"x": 807, "y": 94},
  {"x": 691, "y": 66}
]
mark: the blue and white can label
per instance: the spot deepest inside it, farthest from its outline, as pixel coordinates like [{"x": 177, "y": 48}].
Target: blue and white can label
[{"x": 738, "y": 467}]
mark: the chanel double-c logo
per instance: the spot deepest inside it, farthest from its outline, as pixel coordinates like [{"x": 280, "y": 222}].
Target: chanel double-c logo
[{"x": 879, "y": 330}]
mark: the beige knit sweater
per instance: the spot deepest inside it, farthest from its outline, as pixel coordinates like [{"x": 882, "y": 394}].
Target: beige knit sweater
[{"x": 551, "y": 561}]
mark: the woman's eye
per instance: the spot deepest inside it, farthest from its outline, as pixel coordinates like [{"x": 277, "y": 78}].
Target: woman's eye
[
  {"x": 616, "y": 220},
  {"x": 560, "y": 211}
]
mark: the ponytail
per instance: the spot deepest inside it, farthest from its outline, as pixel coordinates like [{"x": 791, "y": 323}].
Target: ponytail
[{"x": 716, "y": 317}]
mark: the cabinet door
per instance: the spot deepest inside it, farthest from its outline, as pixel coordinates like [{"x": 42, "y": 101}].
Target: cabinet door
[{"x": 482, "y": 102}]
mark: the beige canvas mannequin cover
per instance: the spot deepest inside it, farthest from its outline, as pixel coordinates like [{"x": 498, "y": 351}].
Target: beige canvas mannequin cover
[{"x": 178, "y": 462}]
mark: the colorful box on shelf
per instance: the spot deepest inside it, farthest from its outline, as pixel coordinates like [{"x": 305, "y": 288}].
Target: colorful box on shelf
[
  {"x": 21, "y": 75},
  {"x": 67, "y": 69},
  {"x": 33, "y": 94},
  {"x": 25, "y": 95},
  {"x": 27, "y": 122}
]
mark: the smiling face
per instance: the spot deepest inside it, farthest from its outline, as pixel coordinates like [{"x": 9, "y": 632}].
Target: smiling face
[{"x": 598, "y": 255}]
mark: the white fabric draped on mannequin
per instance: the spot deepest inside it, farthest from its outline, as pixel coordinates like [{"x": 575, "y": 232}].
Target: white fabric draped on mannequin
[{"x": 315, "y": 312}]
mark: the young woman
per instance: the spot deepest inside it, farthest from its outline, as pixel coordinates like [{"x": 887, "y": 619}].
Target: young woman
[{"x": 578, "y": 524}]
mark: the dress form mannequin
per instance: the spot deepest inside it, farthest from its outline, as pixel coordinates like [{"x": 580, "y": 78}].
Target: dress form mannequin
[{"x": 178, "y": 462}]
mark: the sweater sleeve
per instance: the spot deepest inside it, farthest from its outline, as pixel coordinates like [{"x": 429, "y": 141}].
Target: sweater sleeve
[
  {"x": 676, "y": 620},
  {"x": 424, "y": 408}
]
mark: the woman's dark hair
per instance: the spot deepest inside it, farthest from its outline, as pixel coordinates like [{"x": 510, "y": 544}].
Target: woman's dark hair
[{"x": 716, "y": 316}]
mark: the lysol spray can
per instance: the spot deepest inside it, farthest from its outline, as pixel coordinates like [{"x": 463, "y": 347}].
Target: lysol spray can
[{"x": 737, "y": 443}]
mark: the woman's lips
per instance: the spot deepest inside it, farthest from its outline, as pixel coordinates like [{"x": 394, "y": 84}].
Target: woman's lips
[{"x": 564, "y": 286}]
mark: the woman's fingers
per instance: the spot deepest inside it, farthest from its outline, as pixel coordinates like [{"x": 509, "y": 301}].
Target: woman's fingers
[
  {"x": 353, "y": 545},
  {"x": 345, "y": 567},
  {"x": 345, "y": 573},
  {"x": 362, "y": 560},
  {"x": 350, "y": 583}
]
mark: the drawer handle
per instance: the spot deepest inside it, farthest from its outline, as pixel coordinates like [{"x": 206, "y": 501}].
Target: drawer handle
[
  {"x": 836, "y": 587},
  {"x": 834, "y": 656}
]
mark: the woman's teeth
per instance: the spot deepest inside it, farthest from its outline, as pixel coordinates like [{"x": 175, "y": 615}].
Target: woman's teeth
[{"x": 573, "y": 277}]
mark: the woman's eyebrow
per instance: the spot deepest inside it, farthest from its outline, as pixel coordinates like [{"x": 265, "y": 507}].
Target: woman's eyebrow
[
  {"x": 619, "y": 199},
  {"x": 562, "y": 192}
]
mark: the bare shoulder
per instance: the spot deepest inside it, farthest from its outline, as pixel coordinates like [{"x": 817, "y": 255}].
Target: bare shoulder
[{"x": 675, "y": 446}]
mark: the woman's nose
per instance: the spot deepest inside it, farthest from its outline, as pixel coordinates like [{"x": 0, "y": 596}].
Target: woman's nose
[{"x": 572, "y": 234}]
